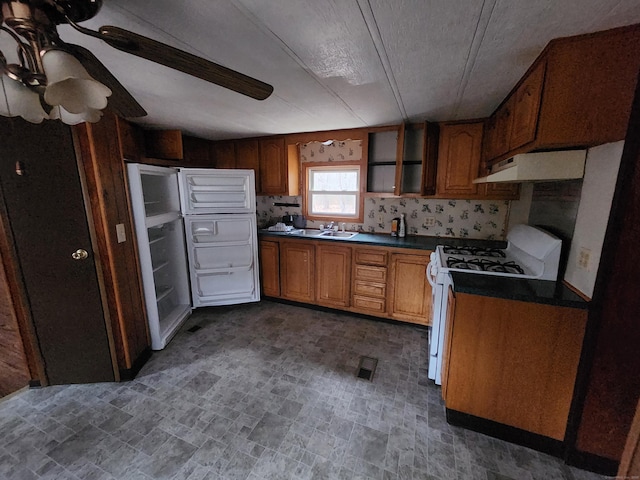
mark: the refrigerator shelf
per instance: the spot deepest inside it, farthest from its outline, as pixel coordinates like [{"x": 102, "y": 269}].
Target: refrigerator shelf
[
  {"x": 223, "y": 270},
  {"x": 156, "y": 220},
  {"x": 163, "y": 291},
  {"x": 160, "y": 266},
  {"x": 156, "y": 239},
  {"x": 198, "y": 243}
]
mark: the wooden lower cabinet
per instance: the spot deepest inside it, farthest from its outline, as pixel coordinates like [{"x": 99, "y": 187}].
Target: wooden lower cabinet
[
  {"x": 409, "y": 289},
  {"x": 370, "y": 281},
  {"x": 513, "y": 362},
  {"x": 297, "y": 270},
  {"x": 333, "y": 275},
  {"x": 384, "y": 282},
  {"x": 270, "y": 268}
]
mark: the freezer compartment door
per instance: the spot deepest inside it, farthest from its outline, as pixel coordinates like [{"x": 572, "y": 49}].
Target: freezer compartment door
[
  {"x": 223, "y": 259},
  {"x": 217, "y": 191},
  {"x": 227, "y": 287},
  {"x": 221, "y": 229}
]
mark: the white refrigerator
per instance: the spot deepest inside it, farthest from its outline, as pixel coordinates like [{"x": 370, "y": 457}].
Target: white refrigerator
[{"x": 197, "y": 241}]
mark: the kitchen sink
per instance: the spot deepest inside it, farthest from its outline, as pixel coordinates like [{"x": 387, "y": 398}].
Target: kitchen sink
[
  {"x": 330, "y": 234},
  {"x": 307, "y": 232}
]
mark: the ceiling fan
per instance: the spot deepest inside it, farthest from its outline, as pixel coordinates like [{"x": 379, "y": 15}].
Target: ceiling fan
[{"x": 32, "y": 24}]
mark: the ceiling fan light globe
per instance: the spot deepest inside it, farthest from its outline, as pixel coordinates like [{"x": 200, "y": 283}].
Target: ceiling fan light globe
[
  {"x": 18, "y": 100},
  {"x": 69, "y": 84},
  {"x": 90, "y": 115}
]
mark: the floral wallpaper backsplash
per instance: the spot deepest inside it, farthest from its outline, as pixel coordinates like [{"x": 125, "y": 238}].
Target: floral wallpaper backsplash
[
  {"x": 337, "y": 151},
  {"x": 478, "y": 219}
]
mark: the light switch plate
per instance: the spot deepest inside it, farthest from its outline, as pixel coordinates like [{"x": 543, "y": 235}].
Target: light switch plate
[{"x": 121, "y": 233}]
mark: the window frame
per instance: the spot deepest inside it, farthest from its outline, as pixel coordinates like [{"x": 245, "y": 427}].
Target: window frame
[{"x": 306, "y": 197}]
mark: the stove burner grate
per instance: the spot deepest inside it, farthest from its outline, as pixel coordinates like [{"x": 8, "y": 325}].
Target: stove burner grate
[
  {"x": 485, "y": 265},
  {"x": 475, "y": 251}
]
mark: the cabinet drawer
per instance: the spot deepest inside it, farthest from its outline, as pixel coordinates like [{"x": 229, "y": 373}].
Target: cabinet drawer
[
  {"x": 361, "y": 287},
  {"x": 373, "y": 274},
  {"x": 371, "y": 257},
  {"x": 369, "y": 303}
]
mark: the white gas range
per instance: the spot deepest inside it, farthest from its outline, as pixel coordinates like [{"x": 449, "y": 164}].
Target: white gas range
[{"x": 531, "y": 253}]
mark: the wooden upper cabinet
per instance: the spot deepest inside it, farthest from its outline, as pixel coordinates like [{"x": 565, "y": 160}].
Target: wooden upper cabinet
[
  {"x": 247, "y": 154},
  {"x": 525, "y": 106},
  {"x": 416, "y": 159},
  {"x": 589, "y": 88},
  {"x": 163, "y": 144},
  {"x": 497, "y": 131},
  {"x": 459, "y": 159},
  {"x": 273, "y": 166},
  {"x": 131, "y": 140},
  {"x": 248, "y": 157},
  {"x": 333, "y": 274},
  {"x": 197, "y": 151},
  {"x": 224, "y": 154}
]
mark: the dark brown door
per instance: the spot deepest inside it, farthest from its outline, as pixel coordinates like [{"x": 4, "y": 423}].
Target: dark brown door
[{"x": 43, "y": 196}]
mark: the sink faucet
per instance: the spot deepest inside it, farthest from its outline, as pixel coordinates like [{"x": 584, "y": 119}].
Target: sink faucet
[{"x": 329, "y": 226}]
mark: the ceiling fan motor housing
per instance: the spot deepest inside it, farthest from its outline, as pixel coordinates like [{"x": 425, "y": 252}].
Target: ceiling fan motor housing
[{"x": 45, "y": 12}]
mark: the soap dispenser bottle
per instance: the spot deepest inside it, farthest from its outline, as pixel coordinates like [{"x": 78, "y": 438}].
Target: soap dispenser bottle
[{"x": 402, "y": 228}]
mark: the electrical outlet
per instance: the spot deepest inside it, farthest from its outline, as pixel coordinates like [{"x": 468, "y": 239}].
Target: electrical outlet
[
  {"x": 429, "y": 222},
  {"x": 584, "y": 259}
]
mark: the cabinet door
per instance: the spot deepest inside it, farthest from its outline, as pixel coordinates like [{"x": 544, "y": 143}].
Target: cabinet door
[
  {"x": 416, "y": 164},
  {"x": 131, "y": 140},
  {"x": 333, "y": 275},
  {"x": 430, "y": 158},
  {"x": 410, "y": 292},
  {"x": 526, "y": 105},
  {"x": 297, "y": 266},
  {"x": 270, "y": 268},
  {"x": 273, "y": 167},
  {"x": 497, "y": 132},
  {"x": 224, "y": 154},
  {"x": 197, "y": 151},
  {"x": 505, "y": 191},
  {"x": 459, "y": 159},
  {"x": 247, "y": 156},
  {"x": 163, "y": 144},
  {"x": 514, "y": 362},
  {"x": 382, "y": 159}
]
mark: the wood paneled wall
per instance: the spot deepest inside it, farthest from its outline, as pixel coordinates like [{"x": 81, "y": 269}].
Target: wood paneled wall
[
  {"x": 613, "y": 386},
  {"x": 14, "y": 368},
  {"x": 103, "y": 168}
]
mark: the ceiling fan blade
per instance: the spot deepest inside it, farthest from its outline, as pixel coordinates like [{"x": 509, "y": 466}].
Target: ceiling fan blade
[
  {"x": 185, "y": 62},
  {"x": 121, "y": 101}
]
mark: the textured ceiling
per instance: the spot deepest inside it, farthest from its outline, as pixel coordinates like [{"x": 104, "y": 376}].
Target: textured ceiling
[{"x": 339, "y": 63}]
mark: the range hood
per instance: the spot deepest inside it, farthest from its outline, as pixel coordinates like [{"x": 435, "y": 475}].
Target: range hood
[{"x": 542, "y": 167}]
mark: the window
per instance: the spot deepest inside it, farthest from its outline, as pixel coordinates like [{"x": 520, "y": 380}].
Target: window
[{"x": 333, "y": 192}]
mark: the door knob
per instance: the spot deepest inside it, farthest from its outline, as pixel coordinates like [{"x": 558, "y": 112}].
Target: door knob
[{"x": 80, "y": 254}]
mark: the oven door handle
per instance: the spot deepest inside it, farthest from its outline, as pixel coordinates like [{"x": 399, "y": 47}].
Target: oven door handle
[{"x": 430, "y": 277}]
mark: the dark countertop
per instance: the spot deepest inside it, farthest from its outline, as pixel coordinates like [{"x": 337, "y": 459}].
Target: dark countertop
[
  {"x": 536, "y": 291},
  {"x": 418, "y": 242}
]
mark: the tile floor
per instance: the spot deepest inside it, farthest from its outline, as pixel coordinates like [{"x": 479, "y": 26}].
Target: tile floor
[{"x": 263, "y": 391}]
